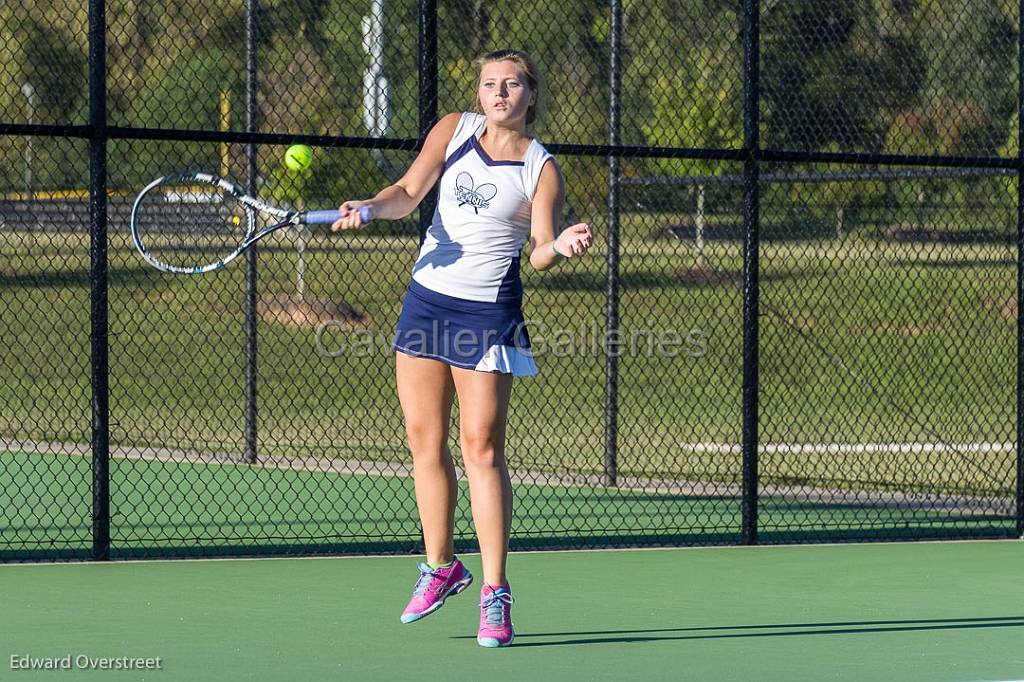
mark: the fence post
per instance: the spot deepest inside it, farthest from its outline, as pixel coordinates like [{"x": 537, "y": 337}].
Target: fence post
[
  {"x": 612, "y": 347},
  {"x": 751, "y": 244},
  {"x": 98, "y": 281},
  {"x": 251, "y": 255},
  {"x": 427, "y": 63},
  {"x": 1020, "y": 272}
]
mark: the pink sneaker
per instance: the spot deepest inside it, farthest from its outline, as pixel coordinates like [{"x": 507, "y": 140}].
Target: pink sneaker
[
  {"x": 433, "y": 587},
  {"x": 495, "y": 617}
]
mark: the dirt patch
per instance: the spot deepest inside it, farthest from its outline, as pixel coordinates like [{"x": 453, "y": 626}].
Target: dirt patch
[
  {"x": 310, "y": 313},
  {"x": 1007, "y": 307},
  {"x": 801, "y": 319}
]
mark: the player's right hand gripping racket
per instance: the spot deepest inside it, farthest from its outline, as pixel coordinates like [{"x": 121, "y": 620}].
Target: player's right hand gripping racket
[{"x": 191, "y": 223}]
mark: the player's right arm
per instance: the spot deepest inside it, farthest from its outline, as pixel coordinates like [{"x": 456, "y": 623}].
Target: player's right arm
[{"x": 402, "y": 198}]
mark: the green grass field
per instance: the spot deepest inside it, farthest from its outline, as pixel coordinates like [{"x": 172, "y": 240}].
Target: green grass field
[{"x": 919, "y": 347}]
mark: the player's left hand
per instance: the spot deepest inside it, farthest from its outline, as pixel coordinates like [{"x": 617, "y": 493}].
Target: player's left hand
[{"x": 575, "y": 240}]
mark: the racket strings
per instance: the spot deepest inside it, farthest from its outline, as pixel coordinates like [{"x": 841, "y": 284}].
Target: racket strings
[{"x": 191, "y": 226}]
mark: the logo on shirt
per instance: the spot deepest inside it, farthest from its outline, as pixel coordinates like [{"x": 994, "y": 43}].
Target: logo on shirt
[{"x": 466, "y": 194}]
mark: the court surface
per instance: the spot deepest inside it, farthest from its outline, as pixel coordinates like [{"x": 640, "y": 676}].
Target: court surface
[{"x": 895, "y": 612}]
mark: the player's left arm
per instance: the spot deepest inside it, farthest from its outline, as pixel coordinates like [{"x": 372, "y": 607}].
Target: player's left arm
[{"x": 546, "y": 246}]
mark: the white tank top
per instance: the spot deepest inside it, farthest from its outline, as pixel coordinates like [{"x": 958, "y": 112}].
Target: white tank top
[{"x": 482, "y": 220}]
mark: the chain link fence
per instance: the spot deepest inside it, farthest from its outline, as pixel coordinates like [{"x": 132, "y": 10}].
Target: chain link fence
[{"x": 800, "y": 321}]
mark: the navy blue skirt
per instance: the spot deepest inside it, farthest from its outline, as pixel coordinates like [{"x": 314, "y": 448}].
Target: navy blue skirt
[{"x": 477, "y": 335}]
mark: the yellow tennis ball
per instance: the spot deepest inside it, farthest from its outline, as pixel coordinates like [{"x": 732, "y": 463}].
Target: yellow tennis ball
[{"x": 298, "y": 157}]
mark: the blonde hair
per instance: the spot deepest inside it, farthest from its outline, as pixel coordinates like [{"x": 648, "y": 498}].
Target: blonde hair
[{"x": 525, "y": 63}]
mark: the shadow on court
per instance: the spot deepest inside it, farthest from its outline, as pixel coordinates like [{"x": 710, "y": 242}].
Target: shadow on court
[{"x": 776, "y": 630}]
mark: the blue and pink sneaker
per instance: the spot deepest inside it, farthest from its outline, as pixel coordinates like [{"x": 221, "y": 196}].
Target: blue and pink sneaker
[
  {"x": 495, "y": 617},
  {"x": 433, "y": 587}
]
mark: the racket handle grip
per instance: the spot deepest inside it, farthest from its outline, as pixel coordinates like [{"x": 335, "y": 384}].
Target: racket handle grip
[{"x": 330, "y": 215}]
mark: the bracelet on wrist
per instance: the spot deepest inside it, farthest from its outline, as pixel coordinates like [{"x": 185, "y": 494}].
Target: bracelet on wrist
[{"x": 554, "y": 250}]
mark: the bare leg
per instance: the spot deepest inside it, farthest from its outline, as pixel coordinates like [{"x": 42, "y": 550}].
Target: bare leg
[
  {"x": 425, "y": 390},
  {"x": 483, "y": 411}
]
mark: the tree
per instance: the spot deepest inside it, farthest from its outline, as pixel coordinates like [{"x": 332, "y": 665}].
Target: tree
[{"x": 835, "y": 70}]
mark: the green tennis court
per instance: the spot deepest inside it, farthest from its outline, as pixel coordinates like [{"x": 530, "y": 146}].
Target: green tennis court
[
  {"x": 777, "y": 431},
  {"x": 188, "y": 508},
  {"x": 904, "y": 612}
]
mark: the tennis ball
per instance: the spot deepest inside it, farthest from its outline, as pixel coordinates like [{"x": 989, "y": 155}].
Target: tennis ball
[{"x": 298, "y": 157}]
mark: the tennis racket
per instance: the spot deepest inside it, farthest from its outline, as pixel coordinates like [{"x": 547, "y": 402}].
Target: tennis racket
[{"x": 192, "y": 223}]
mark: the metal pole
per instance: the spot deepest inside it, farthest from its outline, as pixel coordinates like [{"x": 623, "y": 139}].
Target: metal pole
[
  {"x": 98, "y": 282},
  {"x": 751, "y": 240},
  {"x": 376, "y": 88},
  {"x": 30, "y": 94},
  {"x": 700, "y": 224},
  {"x": 1020, "y": 273},
  {"x": 427, "y": 63},
  {"x": 225, "y": 126},
  {"x": 612, "y": 347},
  {"x": 251, "y": 256}
]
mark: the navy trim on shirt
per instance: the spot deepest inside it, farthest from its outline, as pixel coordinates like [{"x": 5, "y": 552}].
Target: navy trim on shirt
[
  {"x": 485, "y": 157},
  {"x": 458, "y": 154}
]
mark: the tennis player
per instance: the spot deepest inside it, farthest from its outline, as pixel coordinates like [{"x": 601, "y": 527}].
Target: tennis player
[{"x": 461, "y": 329}]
